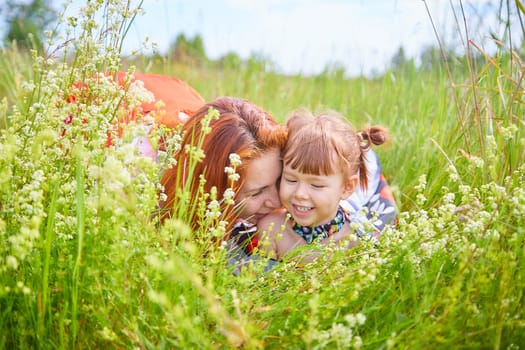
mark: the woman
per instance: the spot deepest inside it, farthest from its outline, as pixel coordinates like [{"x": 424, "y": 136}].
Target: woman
[{"x": 246, "y": 130}]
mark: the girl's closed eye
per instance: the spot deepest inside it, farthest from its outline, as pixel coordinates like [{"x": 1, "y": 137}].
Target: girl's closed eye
[{"x": 318, "y": 186}]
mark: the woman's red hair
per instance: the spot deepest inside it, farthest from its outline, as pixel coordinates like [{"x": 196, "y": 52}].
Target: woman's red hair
[{"x": 242, "y": 128}]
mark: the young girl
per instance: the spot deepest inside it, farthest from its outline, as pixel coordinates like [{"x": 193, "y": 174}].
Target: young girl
[{"x": 323, "y": 163}]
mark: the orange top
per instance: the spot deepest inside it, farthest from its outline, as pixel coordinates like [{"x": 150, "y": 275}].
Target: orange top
[{"x": 176, "y": 95}]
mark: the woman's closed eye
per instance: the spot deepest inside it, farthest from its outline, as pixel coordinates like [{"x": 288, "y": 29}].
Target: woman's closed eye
[{"x": 256, "y": 193}]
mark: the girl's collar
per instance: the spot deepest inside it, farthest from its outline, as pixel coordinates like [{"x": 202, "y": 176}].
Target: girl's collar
[{"x": 322, "y": 231}]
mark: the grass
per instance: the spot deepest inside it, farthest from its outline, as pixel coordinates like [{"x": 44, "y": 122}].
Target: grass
[{"x": 83, "y": 264}]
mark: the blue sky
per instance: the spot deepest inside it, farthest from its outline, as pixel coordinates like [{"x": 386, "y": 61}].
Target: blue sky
[{"x": 304, "y": 36}]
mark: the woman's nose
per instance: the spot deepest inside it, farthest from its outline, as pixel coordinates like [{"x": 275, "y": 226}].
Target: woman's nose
[{"x": 273, "y": 200}]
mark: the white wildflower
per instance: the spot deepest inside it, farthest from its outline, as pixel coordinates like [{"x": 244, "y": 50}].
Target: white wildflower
[
  {"x": 234, "y": 177},
  {"x": 453, "y": 173},
  {"x": 235, "y": 160},
  {"x": 355, "y": 320},
  {"x": 140, "y": 93},
  {"x": 477, "y": 162},
  {"x": 11, "y": 262},
  {"x": 229, "y": 196},
  {"x": 213, "y": 211},
  {"x": 357, "y": 342},
  {"x": 360, "y": 318},
  {"x": 422, "y": 183},
  {"x": 229, "y": 170},
  {"x": 509, "y": 132}
]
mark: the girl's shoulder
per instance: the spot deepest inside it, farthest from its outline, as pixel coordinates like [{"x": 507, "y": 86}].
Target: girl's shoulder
[{"x": 273, "y": 221}]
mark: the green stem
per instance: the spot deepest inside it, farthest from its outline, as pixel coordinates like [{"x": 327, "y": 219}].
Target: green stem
[
  {"x": 48, "y": 239},
  {"x": 80, "y": 208}
]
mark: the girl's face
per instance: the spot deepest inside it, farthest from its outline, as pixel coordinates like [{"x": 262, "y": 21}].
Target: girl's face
[
  {"x": 259, "y": 194},
  {"x": 313, "y": 199}
]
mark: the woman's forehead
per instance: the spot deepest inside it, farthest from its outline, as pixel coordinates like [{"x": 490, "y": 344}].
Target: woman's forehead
[{"x": 263, "y": 171}]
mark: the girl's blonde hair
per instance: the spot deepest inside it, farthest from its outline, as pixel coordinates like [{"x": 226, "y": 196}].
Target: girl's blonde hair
[{"x": 326, "y": 143}]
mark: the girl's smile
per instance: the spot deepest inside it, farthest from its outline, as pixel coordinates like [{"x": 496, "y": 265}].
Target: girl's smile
[{"x": 299, "y": 211}]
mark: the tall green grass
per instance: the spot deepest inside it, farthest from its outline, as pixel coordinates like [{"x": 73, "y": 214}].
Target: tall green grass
[{"x": 84, "y": 264}]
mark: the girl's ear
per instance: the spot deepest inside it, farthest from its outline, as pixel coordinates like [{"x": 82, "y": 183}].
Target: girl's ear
[{"x": 349, "y": 186}]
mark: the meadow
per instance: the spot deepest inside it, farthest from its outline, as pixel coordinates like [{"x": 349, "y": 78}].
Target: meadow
[{"x": 84, "y": 264}]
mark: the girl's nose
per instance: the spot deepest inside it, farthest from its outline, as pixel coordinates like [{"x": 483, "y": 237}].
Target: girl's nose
[{"x": 300, "y": 191}]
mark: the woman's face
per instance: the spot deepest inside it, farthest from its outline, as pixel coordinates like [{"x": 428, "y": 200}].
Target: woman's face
[{"x": 259, "y": 194}]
